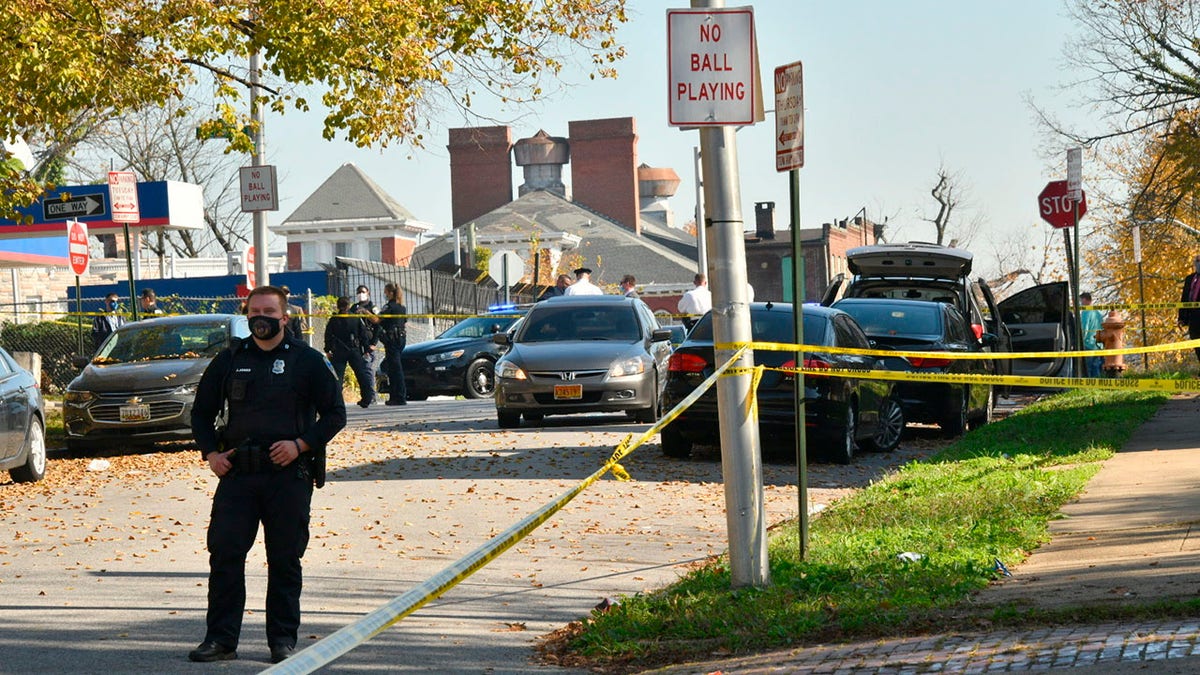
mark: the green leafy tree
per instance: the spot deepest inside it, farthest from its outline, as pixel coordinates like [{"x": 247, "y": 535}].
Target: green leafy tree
[{"x": 382, "y": 68}]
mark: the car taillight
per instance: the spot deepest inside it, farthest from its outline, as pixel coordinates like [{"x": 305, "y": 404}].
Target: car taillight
[
  {"x": 928, "y": 362},
  {"x": 817, "y": 364},
  {"x": 977, "y": 329},
  {"x": 683, "y": 362}
]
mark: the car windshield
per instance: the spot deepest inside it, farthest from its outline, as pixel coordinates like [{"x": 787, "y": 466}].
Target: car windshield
[
  {"x": 553, "y": 324},
  {"x": 894, "y": 319},
  {"x": 144, "y": 342},
  {"x": 768, "y": 326},
  {"x": 479, "y": 326}
]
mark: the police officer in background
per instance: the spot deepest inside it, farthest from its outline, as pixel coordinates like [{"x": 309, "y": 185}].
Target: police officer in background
[{"x": 284, "y": 405}]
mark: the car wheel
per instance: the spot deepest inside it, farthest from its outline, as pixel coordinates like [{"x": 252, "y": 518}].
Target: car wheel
[
  {"x": 891, "y": 426},
  {"x": 481, "y": 379},
  {"x": 989, "y": 410},
  {"x": 534, "y": 417},
  {"x": 674, "y": 444},
  {"x": 508, "y": 420},
  {"x": 843, "y": 451},
  {"x": 955, "y": 422},
  {"x": 649, "y": 415},
  {"x": 34, "y": 467}
]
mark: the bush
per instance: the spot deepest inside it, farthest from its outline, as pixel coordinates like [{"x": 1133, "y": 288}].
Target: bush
[{"x": 57, "y": 342}]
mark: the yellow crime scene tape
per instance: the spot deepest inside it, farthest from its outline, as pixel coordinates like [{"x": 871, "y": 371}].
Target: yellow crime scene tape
[
  {"x": 964, "y": 356},
  {"x": 353, "y": 635}
]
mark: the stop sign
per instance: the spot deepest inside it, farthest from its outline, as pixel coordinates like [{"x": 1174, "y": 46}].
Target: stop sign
[
  {"x": 251, "y": 274},
  {"x": 1057, "y": 207},
  {"x": 77, "y": 247}
]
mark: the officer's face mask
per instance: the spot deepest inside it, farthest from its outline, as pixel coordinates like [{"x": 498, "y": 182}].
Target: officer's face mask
[
  {"x": 264, "y": 327},
  {"x": 363, "y": 297}
]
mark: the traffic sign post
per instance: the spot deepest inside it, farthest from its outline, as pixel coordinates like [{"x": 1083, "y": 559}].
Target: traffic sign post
[
  {"x": 122, "y": 190},
  {"x": 789, "y": 117},
  {"x": 77, "y": 252},
  {"x": 711, "y": 67},
  {"x": 506, "y": 268},
  {"x": 77, "y": 247},
  {"x": 1056, "y": 206},
  {"x": 260, "y": 191},
  {"x": 248, "y": 264},
  {"x": 122, "y": 193}
]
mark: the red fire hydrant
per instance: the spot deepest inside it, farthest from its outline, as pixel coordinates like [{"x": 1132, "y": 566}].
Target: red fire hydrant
[{"x": 1112, "y": 336}]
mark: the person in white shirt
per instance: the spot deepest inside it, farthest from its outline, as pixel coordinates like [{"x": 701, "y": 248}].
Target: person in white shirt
[
  {"x": 583, "y": 284},
  {"x": 696, "y": 301}
]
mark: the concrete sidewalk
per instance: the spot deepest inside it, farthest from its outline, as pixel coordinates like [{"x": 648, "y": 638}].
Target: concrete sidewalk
[{"x": 1128, "y": 538}]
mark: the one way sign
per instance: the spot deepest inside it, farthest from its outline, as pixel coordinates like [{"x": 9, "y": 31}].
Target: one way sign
[{"x": 76, "y": 206}]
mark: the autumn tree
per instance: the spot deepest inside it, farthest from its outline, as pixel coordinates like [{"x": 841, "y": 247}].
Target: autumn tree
[
  {"x": 161, "y": 144},
  {"x": 382, "y": 68}
]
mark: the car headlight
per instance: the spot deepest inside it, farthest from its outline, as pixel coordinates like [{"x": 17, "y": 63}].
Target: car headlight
[
  {"x": 633, "y": 366},
  {"x": 509, "y": 370},
  {"x": 79, "y": 397},
  {"x": 185, "y": 390},
  {"x": 444, "y": 356}
]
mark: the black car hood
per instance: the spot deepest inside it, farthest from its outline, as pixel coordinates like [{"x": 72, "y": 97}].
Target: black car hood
[
  {"x": 140, "y": 375},
  {"x": 440, "y": 345},
  {"x": 572, "y": 355}
]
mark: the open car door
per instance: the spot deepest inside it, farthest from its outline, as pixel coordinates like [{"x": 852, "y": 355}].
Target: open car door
[
  {"x": 835, "y": 290},
  {"x": 1039, "y": 319}
]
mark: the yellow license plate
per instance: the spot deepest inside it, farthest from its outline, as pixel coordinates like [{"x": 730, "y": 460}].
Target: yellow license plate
[
  {"x": 135, "y": 413},
  {"x": 568, "y": 391}
]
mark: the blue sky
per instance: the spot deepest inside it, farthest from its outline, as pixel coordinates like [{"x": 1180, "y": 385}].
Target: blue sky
[{"x": 892, "y": 91}]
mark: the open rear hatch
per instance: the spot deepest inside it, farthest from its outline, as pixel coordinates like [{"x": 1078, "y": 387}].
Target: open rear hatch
[{"x": 912, "y": 259}]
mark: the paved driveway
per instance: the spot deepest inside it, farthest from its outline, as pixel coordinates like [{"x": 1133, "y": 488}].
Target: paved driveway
[{"x": 105, "y": 570}]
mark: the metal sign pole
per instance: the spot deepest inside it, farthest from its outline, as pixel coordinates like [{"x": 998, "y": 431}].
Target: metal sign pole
[{"x": 798, "y": 392}]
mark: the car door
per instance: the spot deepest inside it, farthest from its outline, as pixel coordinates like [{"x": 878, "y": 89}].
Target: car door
[
  {"x": 12, "y": 405},
  {"x": 835, "y": 290},
  {"x": 1039, "y": 320}
]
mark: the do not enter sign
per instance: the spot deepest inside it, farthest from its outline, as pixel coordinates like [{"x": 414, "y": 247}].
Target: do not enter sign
[
  {"x": 77, "y": 247},
  {"x": 1056, "y": 206}
]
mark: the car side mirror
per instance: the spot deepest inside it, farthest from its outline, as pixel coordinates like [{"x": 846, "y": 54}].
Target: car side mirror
[
  {"x": 80, "y": 361},
  {"x": 990, "y": 340},
  {"x": 660, "y": 334},
  {"x": 502, "y": 339}
]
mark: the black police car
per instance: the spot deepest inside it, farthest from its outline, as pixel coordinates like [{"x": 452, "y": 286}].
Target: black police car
[{"x": 459, "y": 361}]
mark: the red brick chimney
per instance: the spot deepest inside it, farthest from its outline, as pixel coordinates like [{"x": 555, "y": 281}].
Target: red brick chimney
[
  {"x": 604, "y": 174},
  {"x": 481, "y": 173}
]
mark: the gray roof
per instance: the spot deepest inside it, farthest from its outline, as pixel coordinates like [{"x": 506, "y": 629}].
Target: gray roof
[
  {"x": 348, "y": 195},
  {"x": 610, "y": 249}
]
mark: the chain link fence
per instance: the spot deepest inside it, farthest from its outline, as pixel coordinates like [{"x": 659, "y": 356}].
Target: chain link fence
[{"x": 60, "y": 330}]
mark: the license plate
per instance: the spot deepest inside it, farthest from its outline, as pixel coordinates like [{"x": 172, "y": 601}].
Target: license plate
[
  {"x": 568, "y": 391},
  {"x": 135, "y": 413}
]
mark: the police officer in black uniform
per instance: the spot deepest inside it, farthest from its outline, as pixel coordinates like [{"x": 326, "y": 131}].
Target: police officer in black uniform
[{"x": 284, "y": 405}]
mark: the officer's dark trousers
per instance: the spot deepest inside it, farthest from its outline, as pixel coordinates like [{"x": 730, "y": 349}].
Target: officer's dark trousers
[
  {"x": 280, "y": 500},
  {"x": 366, "y": 378},
  {"x": 394, "y": 369}
]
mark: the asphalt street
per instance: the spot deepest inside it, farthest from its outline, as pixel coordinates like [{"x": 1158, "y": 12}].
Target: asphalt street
[{"x": 107, "y": 573}]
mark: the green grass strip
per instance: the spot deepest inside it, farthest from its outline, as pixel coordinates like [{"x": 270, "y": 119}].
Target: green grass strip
[{"x": 987, "y": 497}]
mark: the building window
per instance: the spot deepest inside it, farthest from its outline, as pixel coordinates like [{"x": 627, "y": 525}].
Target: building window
[
  {"x": 308, "y": 255},
  {"x": 375, "y": 250},
  {"x": 342, "y": 249}
]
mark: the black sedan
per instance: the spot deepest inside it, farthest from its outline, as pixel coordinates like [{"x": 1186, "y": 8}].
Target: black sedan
[
  {"x": 919, "y": 325},
  {"x": 841, "y": 413},
  {"x": 140, "y": 385},
  {"x": 460, "y": 361},
  {"x": 22, "y": 423}
]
